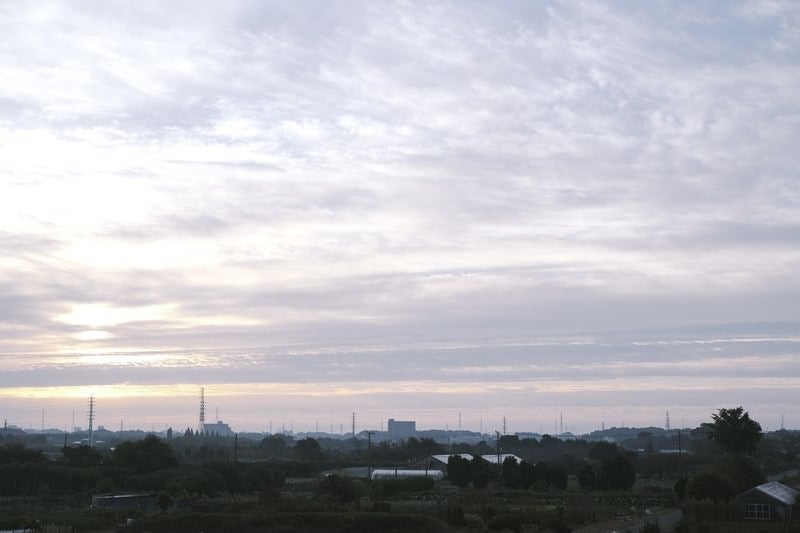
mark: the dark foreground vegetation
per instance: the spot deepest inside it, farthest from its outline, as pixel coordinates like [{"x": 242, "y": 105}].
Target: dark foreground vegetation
[{"x": 276, "y": 483}]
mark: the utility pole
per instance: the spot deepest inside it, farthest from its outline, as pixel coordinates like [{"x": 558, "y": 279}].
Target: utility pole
[
  {"x": 499, "y": 466},
  {"x": 369, "y": 456}
]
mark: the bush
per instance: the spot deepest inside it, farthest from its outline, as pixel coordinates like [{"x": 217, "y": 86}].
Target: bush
[
  {"x": 556, "y": 525},
  {"x": 392, "y": 487},
  {"x": 455, "y": 516},
  {"x": 380, "y": 507},
  {"x": 505, "y": 521},
  {"x": 681, "y": 526},
  {"x": 710, "y": 486},
  {"x": 338, "y": 489},
  {"x": 309, "y": 522}
]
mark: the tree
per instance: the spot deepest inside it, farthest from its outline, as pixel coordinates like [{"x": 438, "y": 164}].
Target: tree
[
  {"x": 710, "y": 486},
  {"x": 742, "y": 472},
  {"x": 557, "y": 477},
  {"x": 616, "y": 474},
  {"x": 603, "y": 451},
  {"x": 587, "y": 478},
  {"x": 147, "y": 455},
  {"x": 274, "y": 445},
  {"x": 680, "y": 488},
  {"x": 308, "y": 449},
  {"x": 420, "y": 448},
  {"x": 526, "y": 475},
  {"x": 481, "y": 472},
  {"x": 511, "y": 474},
  {"x": 459, "y": 470},
  {"x": 17, "y": 453},
  {"x": 338, "y": 490},
  {"x": 735, "y": 432},
  {"x": 82, "y": 456}
]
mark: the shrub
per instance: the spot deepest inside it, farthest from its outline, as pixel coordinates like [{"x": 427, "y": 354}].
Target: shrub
[{"x": 505, "y": 521}]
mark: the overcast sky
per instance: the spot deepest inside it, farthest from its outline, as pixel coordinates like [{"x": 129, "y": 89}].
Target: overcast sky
[{"x": 407, "y": 209}]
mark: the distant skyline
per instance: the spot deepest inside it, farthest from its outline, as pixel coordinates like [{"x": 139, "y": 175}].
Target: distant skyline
[{"x": 403, "y": 209}]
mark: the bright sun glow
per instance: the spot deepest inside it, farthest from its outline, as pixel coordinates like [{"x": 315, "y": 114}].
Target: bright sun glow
[
  {"x": 93, "y": 335},
  {"x": 103, "y": 315}
]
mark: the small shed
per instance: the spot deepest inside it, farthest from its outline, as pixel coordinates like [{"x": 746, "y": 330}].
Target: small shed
[{"x": 771, "y": 501}]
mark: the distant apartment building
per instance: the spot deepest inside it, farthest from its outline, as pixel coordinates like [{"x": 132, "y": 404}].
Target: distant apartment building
[{"x": 401, "y": 429}]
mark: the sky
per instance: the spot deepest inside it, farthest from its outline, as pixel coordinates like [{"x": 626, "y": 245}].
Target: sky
[{"x": 429, "y": 211}]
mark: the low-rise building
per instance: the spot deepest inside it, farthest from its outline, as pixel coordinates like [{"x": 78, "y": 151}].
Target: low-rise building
[
  {"x": 143, "y": 501},
  {"x": 773, "y": 501},
  {"x": 218, "y": 429}
]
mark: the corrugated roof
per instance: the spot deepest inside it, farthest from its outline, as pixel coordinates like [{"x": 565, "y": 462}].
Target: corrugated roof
[
  {"x": 492, "y": 457},
  {"x": 445, "y": 458},
  {"x": 779, "y": 491}
]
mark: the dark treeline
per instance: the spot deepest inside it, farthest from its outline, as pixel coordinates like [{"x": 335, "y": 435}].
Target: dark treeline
[{"x": 276, "y": 480}]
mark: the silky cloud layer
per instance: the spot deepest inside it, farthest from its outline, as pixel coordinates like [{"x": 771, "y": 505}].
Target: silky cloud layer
[{"x": 452, "y": 205}]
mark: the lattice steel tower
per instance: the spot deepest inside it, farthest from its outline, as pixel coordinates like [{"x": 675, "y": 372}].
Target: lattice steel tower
[
  {"x": 202, "y": 423},
  {"x": 91, "y": 421}
]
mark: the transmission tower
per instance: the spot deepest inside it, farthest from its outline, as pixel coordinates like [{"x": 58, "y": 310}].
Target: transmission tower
[
  {"x": 202, "y": 423},
  {"x": 91, "y": 421},
  {"x": 666, "y": 422}
]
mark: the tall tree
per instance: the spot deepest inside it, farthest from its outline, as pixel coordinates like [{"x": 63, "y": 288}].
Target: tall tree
[
  {"x": 481, "y": 472},
  {"x": 734, "y": 431},
  {"x": 616, "y": 474},
  {"x": 308, "y": 449},
  {"x": 459, "y": 470}
]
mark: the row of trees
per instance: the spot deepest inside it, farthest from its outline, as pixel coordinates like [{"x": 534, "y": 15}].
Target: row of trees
[
  {"x": 539, "y": 476},
  {"x": 149, "y": 464}
]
